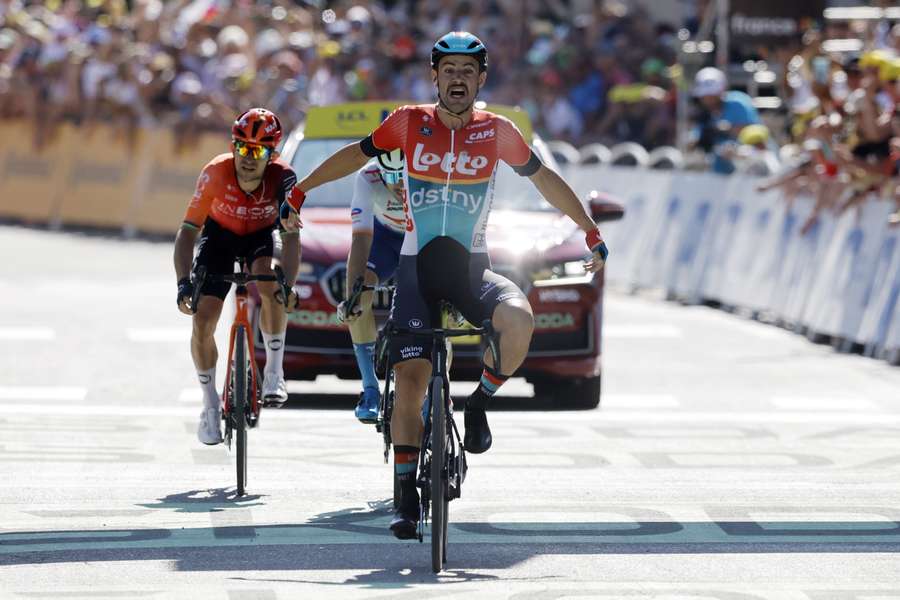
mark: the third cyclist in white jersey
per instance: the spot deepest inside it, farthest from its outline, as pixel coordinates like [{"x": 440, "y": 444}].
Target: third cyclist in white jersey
[{"x": 378, "y": 226}]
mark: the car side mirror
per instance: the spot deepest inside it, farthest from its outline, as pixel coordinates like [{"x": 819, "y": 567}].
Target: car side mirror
[{"x": 604, "y": 207}]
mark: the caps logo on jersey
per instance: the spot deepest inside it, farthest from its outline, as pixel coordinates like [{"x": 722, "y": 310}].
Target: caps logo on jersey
[
  {"x": 480, "y": 136},
  {"x": 463, "y": 163},
  {"x": 426, "y": 131}
]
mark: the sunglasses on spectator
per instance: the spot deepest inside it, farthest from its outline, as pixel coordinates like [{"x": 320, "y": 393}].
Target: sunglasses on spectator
[{"x": 254, "y": 151}]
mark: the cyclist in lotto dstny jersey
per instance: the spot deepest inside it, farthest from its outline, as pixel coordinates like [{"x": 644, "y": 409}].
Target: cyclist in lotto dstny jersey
[
  {"x": 236, "y": 206},
  {"x": 451, "y": 153},
  {"x": 379, "y": 223}
]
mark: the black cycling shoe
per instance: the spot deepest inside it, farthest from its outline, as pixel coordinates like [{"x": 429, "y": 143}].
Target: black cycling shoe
[
  {"x": 478, "y": 435},
  {"x": 405, "y": 524}
]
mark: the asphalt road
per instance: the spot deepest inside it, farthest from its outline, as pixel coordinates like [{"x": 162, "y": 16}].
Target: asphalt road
[{"x": 730, "y": 460}]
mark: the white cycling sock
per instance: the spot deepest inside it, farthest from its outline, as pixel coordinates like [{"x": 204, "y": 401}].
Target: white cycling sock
[
  {"x": 208, "y": 385},
  {"x": 274, "y": 352}
]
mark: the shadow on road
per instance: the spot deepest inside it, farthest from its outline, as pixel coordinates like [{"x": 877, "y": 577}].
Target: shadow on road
[
  {"x": 213, "y": 500},
  {"x": 357, "y": 538}
]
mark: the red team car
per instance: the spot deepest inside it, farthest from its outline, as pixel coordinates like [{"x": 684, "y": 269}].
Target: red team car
[{"x": 529, "y": 242}]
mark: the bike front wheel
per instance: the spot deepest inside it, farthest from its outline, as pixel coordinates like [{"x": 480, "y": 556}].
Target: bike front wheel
[
  {"x": 239, "y": 409},
  {"x": 439, "y": 500}
]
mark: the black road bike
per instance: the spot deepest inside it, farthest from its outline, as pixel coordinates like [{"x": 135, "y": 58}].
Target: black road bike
[{"x": 442, "y": 460}]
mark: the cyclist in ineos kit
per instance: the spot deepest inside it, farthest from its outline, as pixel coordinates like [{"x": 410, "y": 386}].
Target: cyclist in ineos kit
[
  {"x": 234, "y": 211},
  {"x": 379, "y": 223},
  {"x": 451, "y": 152}
]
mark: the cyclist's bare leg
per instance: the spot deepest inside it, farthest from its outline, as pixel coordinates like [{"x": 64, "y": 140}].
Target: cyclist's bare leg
[
  {"x": 272, "y": 318},
  {"x": 363, "y": 329},
  {"x": 205, "y": 354},
  {"x": 412, "y": 378},
  {"x": 203, "y": 341},
  {"x": 411, "y": 382},
  {"x": 273, "y": 324},
  {"x": 363, "y": 333},
  {"x": 514, "y": 322}
]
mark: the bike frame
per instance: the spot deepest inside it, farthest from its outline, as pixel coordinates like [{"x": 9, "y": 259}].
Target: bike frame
[{"x": 241, "y": 319}]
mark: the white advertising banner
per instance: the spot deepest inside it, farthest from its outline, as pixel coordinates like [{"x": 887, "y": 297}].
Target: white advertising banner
[{"x": 704, "y": 237}]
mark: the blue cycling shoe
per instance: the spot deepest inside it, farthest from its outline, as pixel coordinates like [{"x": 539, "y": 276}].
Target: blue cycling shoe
[{"x": 367, "y": 409}]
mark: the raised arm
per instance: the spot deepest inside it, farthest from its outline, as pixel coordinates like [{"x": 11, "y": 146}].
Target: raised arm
[
  {"x": 348, "y": 159},
  {"x": 558, "y": 193}
]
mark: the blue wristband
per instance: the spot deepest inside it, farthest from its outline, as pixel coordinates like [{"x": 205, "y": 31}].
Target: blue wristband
[{"x": 602, "y": 249}]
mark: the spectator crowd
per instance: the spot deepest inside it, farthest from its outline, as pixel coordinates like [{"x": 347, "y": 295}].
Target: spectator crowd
[
  {"x": 842, "y": 89},
  {"x": 585, "y": 70}
]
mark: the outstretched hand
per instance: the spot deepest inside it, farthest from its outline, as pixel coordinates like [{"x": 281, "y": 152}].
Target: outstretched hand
[
  {"x": 597, "y": 260},
  {"x": 291, "y": 222}
]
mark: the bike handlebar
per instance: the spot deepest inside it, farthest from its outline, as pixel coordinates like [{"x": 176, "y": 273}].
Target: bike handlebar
[
  {"x": 357, "y": 290},
  {"x": 199, "y": 276}
]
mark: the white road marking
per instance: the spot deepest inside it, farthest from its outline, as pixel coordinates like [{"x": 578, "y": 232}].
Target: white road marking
[
  {"x": 328, "y": 384},
  {"x": 26, "y": 333},
  {"x": 635, "y": 401},
  {"x": 158, "y": 334},
  {"x": 821, "y": 403},
  {"x": 641, "y": 331},
  {"x": 19, "y": 392},
  {"x": 617, "y": 416}
]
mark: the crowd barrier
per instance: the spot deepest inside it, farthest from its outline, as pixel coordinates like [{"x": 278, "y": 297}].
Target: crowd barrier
[
  {"x": 701, "y": 237},
  {"x": 705, "y": 238},
  {"x": 96, "y": 178}
]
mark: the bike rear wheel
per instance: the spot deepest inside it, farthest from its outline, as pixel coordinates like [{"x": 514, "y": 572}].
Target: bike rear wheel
[
  {"x": 241, "y": 370},
  {"x": 439, "y": 502}
]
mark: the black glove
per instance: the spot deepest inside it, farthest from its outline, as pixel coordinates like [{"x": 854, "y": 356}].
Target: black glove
[{"x": 185, "y": 289}]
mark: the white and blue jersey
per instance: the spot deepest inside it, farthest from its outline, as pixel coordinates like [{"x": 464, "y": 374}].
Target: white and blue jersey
[{"x": 374, "y": 208}]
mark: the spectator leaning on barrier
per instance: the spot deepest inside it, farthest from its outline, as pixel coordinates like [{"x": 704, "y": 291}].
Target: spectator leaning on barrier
[
  {"x": 755, "y": 154},
  {"x": 722, "y": 116}
]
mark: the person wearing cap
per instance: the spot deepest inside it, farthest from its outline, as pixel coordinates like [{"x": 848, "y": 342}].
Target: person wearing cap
[
  {"x": 378, "y": 222},
  {"x": 724, "y": 114},
  {"x": 640, "y": 111},
  {"x": 754, "y": 152}
]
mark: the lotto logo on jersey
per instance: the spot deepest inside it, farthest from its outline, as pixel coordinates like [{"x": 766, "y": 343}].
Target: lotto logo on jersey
[{"x": 463, "y": 163}]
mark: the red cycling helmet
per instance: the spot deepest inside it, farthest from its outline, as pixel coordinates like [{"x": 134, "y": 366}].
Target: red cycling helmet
[{"x": 257, "y": 126}]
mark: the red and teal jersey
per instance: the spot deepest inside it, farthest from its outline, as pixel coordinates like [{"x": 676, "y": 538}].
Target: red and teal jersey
[{"x": 449, "y": 174}]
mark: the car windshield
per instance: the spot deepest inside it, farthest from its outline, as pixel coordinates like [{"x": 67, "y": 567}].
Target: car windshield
[{"x": 511, "y": 190}]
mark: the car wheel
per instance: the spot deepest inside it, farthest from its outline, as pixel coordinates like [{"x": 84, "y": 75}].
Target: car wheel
[{"x": 579, "y": 394}]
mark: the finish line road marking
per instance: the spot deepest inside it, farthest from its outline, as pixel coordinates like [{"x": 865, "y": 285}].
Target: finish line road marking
[{"x": 708, "y": 536}]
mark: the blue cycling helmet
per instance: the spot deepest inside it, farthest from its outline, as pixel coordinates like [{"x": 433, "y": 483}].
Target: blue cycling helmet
[{"x": 459, "y": 42}]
